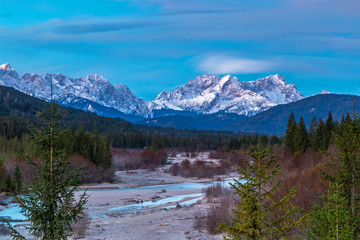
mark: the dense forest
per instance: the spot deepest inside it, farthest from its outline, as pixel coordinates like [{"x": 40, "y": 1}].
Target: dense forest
[{"x": 18, "y": 111}]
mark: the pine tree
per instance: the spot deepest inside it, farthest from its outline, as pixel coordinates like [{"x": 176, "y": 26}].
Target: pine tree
[
  {"x": 312, "y": 130},
  {"x": 290, "y": 132},
  {"x": 9, "y": 183},
  {"x": 329, "y": 127},
  {"x": 301, "y": 142},
  {"x": 320, "y": 136},
  {"x": 348, "y": 144},
  {"x": 332, "y": 218},
  {"x": 329, "y": 122},
  {"x": 18, "y": 178},
  {"x": 256, "y": 214},
  {"x": 2, "y": 174},
  {"x": 49, "y": 203},
  {"x": 338, "y": 217}
]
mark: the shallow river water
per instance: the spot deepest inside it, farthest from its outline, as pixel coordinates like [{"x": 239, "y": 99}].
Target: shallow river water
[{"x": 13, "y": 212}]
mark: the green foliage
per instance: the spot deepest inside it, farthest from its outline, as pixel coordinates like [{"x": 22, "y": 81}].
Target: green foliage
[
  {"x": 9, "y": 183},
  {"x": 291, "y": 129},
  {"x": 301, "y": 137},
  {"x": 189, "y": 141},
  {"x": 312, "y": 130},
  {"x": 49, "y": 202},
  {"x": 348, "y": 144},
  {"x": 18, "y": 178},
  {"x": 257, "y": 215},
  {"x": 2, "y": 174},
  {"x": 338, "y": 216},
  {"x": 296, "y": 138},
  {"x": 17, "y": 110},
  {"x": 332, "y": 218}
]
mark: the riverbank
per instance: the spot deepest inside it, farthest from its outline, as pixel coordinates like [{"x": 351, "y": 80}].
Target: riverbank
[
  {"x": 154, "y": 222},
  {"x": 145, "y": 203}
]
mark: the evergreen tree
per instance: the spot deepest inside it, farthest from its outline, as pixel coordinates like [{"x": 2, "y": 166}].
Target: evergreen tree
[
  {"x": 290, "y": 132},
  {"x": 49, "y": 203},
  {"x": 320, "y": 136},
  {"x": 256, "y": 213},
  {"x": 332, "y": 218},
  {"x": 312, "y": 130},
  {"x": 274, "y": 140},
  {"x": 9, "y": 183},
  {"x": 329, "y": 122},
  {"x": 2, "y": 174},
  {"x": 301, "y": 136},
  {"x": 338, "y": 217},
  {"x": 107, "y": 155},
  {"x": 329, "y": 127},
  {"x": 348, "y": 144},
  {"x": 18, "y": 178}
]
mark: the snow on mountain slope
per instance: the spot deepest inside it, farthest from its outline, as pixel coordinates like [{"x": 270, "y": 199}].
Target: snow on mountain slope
[
  {"x": 8, "y": 76},
  {"x": 92, "y": 87},
  {"x": 275, "y": 88},
  {"x": 210, "y": 94},
  {"x": 205, "y": 94}
]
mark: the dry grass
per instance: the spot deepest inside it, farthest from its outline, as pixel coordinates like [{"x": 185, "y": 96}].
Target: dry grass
[
  {"x": 217, "y": 190},
  {"x": 135, "y": 159},
  {"x": 199, "y": 169},
  {"x": 80, "y": 227},
  {"x": 219, "y": 212},
  {"x": 90, "y": 173},
  {"x": 220, "y": 209}
]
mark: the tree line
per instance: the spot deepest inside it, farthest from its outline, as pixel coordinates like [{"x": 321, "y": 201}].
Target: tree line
[
  {"x": 318, "y": 136},
  {"x": 201, "y": 141},
  {"x": 261, "y": 213}
]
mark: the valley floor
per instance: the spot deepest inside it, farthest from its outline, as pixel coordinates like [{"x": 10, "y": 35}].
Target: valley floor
[{"x": 146, "y": 204}]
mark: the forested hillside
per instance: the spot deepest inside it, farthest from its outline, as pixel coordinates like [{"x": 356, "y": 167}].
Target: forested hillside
[
  {"x": 273, "y": 121},
  {"x": 17, "y": 110}
]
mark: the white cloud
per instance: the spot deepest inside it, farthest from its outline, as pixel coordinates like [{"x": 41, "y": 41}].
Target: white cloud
[{"x": 221, "y": 64}]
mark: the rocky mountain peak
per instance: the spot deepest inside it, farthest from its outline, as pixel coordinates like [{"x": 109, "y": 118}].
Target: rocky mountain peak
[
  {"x": 5, "y": 66},
  {"x": 210, "y": 94},
  {"x": 205, "y": 94},
  {"x": 204, "y": 81}
]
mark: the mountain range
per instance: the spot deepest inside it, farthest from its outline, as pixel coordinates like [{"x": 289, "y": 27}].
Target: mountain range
[
  {"x": 205, "y": 95},
  {"x": 207, "y": 102}
]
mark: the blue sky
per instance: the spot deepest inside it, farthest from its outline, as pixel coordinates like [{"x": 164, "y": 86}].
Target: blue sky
[{"x": 156, "y": 45}]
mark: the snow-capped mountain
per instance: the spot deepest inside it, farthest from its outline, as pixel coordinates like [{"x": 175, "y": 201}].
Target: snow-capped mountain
[
  {"x": 9, "y": 77},
  {"x": 205, "y": 94},
  {"x": 94, "y": 88},
  {"x": 211, "y": 94}
]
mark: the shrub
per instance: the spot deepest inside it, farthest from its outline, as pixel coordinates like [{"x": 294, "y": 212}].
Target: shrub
[
  {"x": 218, "y": 155},
  {"x": 80, "y": 227},
  {"x": 126, "y": 159},
  {"x": 219, "y": 212},
  {"x": 174, "y": 169},
  {"x": 199, "y": 169},
  {"x": 135, "y": 159},
  {"x": 217, "y": 190},
  {"x": 153, "y": 159},
  {"x": 89, "y": 171},
  {"x": 199, "y": 219}
]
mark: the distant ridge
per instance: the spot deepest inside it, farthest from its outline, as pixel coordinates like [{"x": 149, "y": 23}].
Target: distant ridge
[{"x": 274, "y": 120}]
